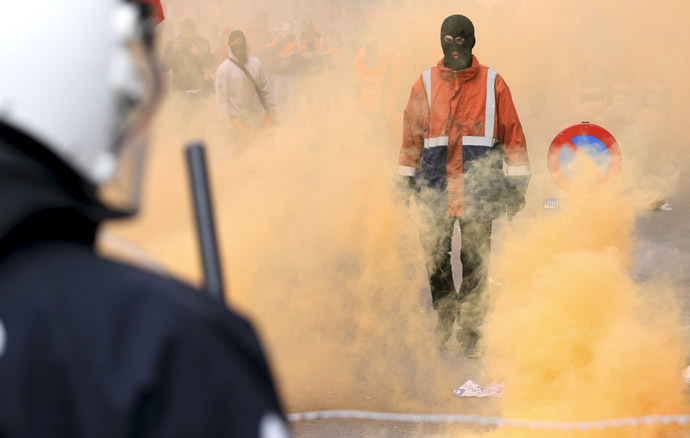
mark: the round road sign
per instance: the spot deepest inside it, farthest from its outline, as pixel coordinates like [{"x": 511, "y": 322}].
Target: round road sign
[{"x": 583, "y": 147}]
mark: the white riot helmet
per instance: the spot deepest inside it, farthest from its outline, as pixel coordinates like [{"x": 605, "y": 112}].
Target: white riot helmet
[{"x": 81, "y": 78}]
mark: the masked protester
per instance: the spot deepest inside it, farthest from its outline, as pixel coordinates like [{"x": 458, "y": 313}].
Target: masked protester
[
  {"x": 243, "y": 100},
  {"x": 90, "y": 347},
  {"x": 188, "y": 57},
  {"x": 465, "y": 160}
]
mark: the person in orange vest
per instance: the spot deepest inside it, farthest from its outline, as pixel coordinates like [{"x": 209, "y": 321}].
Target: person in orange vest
[
  {"x": 464, "y": 158},
  {"x": 376, "y": 76},
  {"x": 371, "y": 65},
  {"x": 314, "y": 49}
]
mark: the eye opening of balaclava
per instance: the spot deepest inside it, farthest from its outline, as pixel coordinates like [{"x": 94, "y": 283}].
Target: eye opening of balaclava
[
  {"x": 238, "y": 45},
  {"x": 461, "y": 29}
]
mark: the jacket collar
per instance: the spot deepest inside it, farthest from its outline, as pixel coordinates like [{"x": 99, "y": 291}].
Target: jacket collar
[
  {"x": 39, "y": 200},
  {"x": 462, "y": 75}
]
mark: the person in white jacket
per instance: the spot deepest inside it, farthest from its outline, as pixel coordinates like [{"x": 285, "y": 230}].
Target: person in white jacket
[{"x": 244, "y": 102}]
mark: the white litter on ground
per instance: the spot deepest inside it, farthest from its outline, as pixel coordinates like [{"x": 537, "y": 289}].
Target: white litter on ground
[
  {"x": 665, "y": 207},
  {"x": 472, "y": 389}
]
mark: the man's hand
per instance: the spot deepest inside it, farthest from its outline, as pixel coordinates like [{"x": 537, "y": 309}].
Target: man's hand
[
  {"x": 514, "y": 204},
  {"x": 515, "y": 194},
  {"x": 273, "y": 119},
  {"x": 404, "y": 186}
]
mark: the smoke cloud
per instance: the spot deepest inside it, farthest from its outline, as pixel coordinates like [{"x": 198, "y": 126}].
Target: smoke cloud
[{"x": 319, "y": 253}]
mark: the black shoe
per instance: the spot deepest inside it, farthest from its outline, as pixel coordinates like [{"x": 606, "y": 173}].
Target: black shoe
[
  {"x": 469, "y": 340},
  {"x": 447, "y": 309},
  {"x": 444, "y": 328},
  {"x": 472, "y": 351}
]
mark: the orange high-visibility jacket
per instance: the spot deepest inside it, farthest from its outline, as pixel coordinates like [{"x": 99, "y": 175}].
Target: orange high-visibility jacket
[
  {"x": 371, "y": 80},
  {"x": 377, "y": 83},
  {"x": 459, "y": 129}
]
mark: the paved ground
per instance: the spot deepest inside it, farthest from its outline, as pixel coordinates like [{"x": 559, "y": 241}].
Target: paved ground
[{"x": 663, "y": 249}]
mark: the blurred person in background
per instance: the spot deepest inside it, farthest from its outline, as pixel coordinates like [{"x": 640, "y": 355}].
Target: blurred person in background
[
  {"x": 90, "y": 347},
  {"x": 376, "y": 73},
  {"x": 260, "y": 37},
  {"x": 314, "y": 49},
  {"x": 188, "y": 57},
  {"x": 243, "y": 100},
  {"x": 333, "y": 38},
  {"x": 288, "y": 51},
  {"x": 464, "y": 157},
  {"x": 316, "y": 60}
]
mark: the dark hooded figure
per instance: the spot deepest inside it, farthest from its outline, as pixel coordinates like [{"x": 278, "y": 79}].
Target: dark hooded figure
[
  {"x": 464, "y": 158},
  {"x": 243, "y": 100},
  {"x": 238, "y": 45}
]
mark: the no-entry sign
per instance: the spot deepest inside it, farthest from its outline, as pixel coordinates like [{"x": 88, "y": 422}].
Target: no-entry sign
[{"x": 584, "y": 146}]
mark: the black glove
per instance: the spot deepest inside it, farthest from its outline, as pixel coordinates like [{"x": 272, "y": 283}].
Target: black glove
[
  {"x": 516, "y": 188},
  {"x": 514, "y": 203},
  {"x": 404, "y": 187}
]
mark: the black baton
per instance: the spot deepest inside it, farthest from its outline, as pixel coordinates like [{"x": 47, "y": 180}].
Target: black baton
[{"x": 208, "y": 245}]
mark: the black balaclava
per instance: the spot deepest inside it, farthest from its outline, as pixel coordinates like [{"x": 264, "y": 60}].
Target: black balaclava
[
  {"x": 239, "y": 49},
  {"x": 457, "y": 26}
]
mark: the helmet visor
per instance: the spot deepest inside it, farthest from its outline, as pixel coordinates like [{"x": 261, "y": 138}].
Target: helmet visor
[{"x": 136, "y": 80}]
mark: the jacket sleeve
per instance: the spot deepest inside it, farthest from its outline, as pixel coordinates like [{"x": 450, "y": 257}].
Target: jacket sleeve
[
  {"x": 413, "y": 130},
  {"x": 510, "y": 134}
]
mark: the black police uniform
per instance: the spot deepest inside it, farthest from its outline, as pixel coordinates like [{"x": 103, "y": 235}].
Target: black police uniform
[{"x": 94, "y": 348}]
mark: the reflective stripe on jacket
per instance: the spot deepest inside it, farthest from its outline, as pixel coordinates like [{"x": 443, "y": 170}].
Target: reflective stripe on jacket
[{"x": 458, "y": 131}]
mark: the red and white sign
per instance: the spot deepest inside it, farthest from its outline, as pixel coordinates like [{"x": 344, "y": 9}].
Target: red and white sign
[{"x": 587, "y": 147}]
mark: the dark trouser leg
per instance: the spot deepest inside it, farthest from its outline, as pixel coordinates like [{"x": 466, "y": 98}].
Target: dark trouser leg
[
  {"x": 474, "y": 255},
  {"x": 436, "y": 233}
]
